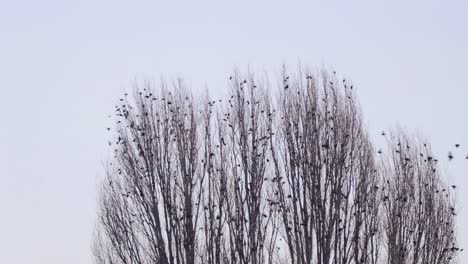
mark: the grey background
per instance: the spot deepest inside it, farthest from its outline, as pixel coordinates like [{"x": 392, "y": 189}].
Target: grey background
[{"x": 63, "y": 64}]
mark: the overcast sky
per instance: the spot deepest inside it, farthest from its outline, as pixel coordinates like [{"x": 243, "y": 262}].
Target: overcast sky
[{"x": 64, "y": 64}]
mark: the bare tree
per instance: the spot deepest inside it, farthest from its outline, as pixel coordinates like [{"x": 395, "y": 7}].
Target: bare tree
[
  {"x": 155, "y": 186},
  {"x": 248, "y": 120},
  {"x": 216, "y": 195},
  {"x": 267, "y": 177},
  {"x": 325, "y": 173},
  {"x": 419, "y": 210}
]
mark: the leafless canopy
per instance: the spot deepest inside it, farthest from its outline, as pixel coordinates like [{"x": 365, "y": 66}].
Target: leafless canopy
[{"x": 275, "y": 173}]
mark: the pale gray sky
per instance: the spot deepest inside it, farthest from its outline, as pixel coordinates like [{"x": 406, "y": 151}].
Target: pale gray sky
[{"x": 63, "y": 65}]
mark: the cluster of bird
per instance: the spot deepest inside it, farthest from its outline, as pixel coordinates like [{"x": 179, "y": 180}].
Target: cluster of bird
[
  {"x": 450, "y": 155},
  {"x": 286, "y": 82}
]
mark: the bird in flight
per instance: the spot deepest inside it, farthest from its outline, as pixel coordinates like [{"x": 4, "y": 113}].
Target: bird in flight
[{"x": 450, "y": 156}]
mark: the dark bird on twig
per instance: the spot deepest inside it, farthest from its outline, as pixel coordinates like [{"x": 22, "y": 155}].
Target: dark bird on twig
[
  {"x": 286, "y": 86},
  {"x": 450, "y": 156},
  {"x": 457, "y": 145},
  {"x": 454, "y": 186},
  {"x": 383, "y": 133}
]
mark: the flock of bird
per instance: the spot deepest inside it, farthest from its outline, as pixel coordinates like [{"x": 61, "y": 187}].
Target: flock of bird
[
  {"x": 273, "y": 202},
  {"x": 450, "y": 155}
]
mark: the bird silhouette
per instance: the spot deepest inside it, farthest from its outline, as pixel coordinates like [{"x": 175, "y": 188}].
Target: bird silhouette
[{"x": 450, "y": 156}]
